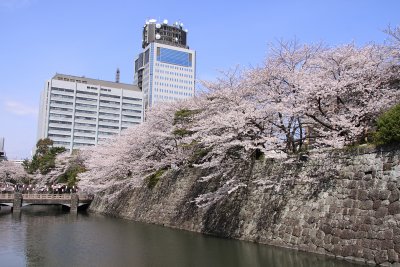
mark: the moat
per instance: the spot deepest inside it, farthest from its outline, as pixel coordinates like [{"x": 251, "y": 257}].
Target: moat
[{"x": 48, "y": 236}]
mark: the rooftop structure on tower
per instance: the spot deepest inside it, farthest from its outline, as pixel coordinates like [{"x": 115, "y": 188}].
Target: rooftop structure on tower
[{"x": 165, "y": 70}]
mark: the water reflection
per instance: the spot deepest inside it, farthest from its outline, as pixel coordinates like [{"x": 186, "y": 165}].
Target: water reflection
[{"x": 47, "y": 236}]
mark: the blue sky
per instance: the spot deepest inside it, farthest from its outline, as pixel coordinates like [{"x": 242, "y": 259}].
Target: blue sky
[{"x": 93, "y": 38}]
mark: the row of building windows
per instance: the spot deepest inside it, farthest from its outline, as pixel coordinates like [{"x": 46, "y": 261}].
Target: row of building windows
[
  {"x": 109, "y": 108},
  {"x": 168, "y": 66},
  {"x": 131, "y": 105},
  {"x": 132, "y": 111},
  {"x": 174, "y": 73},
  {"x": 109, "y": 114},
  {"x": 108, "y": 127},
  {"x": 130, "y": 117},
  {"x": 86, "y": 105},
  {"x": 65, "y": 132},
  {"x": 105, "y": 133},
  {"x": 86, "y": 99},
  {"x": 174, "y": 92},
  {"x": 84, "y": 131},
  {"x": 108, "y": 120},
  {"x": 53, "y": 95},
  {"x": 61, "y": 102},
  {"x": 61, "y": 122},
  {"x": 174, "y": 86},
  {"x": 55, "y": 115},
  {"x": 173, "y": 79},
  {"x": 61, "y": 109},
  {"x": 84, "y": 138},
  {"x": 56, "y": 89},
  {"x": 59, "y": 129},
  {"x": 86, "y": 111},
  {"x": 168, "y": 97},
  {"x": 86, "y": 93}
]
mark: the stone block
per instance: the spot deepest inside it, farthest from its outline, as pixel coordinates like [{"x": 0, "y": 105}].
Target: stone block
[
  {"x": 394, "y": 195},
  {"x": 374, "y": 194},
  {"x": 394, "y": 208},
  {"x": 392, "y": 256},
  {"x": 375, "y": 244},
  {"x": 362, "y": 195},
  {"x": 396, "y": 239},
  {"x": 348, "y": 250},
  {"x": 348, "y": 203},
  {"x": 391, "y": 186},
  {"x": 337, "y": 250},
  {"x": 381, "y": 212},
  {"x": 368, "y": 255},
  {"x": 347, "y": 234},
  {"x": 366, "y": 205},
  {"x": 360, "y": 234},
  {"x": 335, "y": 240},
  {"x": 384, "y": 194},
  {"x": 296, "y": 231},
  {"x": 377, "y": 204},
  {"x": 381, "y": 256},
  {"x": 366, "y": 243},
  {"x": 359, "y": 175},
  {"x": 397, "y": 248},
  {"x": 352, "y": 184},
  {"x": 353, "y": 194},
  {"x": 387, "y": 244},
  {"x": 388, "y": 234},
  {"x": 328, "y": 239}
]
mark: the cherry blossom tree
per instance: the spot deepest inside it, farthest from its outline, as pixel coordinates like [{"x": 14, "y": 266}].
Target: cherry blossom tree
[
  {"x": 303, "y": 92},
  {"x": 12, "y": 172}
]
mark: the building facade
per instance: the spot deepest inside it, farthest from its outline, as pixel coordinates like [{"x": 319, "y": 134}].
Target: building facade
[
  {"x": 166, "y": 69},
  {"x": 78, "y": 111},
  {"x": 2, "y": 151}
]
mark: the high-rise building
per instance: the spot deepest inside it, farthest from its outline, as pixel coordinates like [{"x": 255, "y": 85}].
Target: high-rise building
[
  {"x": 2, "y": 152},
  {"x": 165, "y": 71},
  {"x": 78, "y": 111}
]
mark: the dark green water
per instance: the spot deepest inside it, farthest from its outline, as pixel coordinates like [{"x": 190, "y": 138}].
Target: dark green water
[{"x": 46, "y": 236}]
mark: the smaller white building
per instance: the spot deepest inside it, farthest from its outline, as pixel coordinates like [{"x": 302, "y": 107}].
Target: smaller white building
[{"x": 78, "y": 111}]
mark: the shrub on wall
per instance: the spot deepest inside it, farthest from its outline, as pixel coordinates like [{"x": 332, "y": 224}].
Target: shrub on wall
[{"x": 388, "y": 126}]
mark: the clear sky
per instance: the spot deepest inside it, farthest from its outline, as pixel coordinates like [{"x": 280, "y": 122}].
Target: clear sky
[{"x": 91, "y": 38}]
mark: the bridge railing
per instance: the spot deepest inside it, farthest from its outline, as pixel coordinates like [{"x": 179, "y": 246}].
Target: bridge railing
[
  {"x": 82, "y": 197},
  {"x": 46, "y": 196},
  {"x": 6, "y": 196}
]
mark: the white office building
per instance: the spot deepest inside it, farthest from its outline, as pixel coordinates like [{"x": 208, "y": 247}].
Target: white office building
[
  {"x": 78, "y": 111},
  {"x": 165, "y": 71}
]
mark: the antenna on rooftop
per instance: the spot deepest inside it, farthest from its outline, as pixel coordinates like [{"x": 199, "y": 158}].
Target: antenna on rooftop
[{"x": 117, "y": 76}]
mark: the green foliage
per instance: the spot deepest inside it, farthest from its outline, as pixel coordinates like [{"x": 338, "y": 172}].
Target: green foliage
[
  {"x": 259, "y": 155},
  {"x": 198, "y": 155},
  {"x": 153, "y": 179},
  {"x": 42, "y": 146},
  {"x": 70, "y": 175},
  {"x": 181, "y": 132},
  {"x": 388, "y": 126},
  {"x": 189, "y": 145},
  {"x": 184, "y": 115},
  {"x": 44, "y": 158}
]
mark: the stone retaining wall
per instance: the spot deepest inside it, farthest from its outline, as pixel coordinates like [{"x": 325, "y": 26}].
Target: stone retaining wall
[{"x": 341, "y": 203}]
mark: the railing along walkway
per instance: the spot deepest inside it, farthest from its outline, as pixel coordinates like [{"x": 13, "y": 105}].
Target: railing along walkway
[
  {"x": 45, "y": 196},
  {"x": 6, "y": 196}
]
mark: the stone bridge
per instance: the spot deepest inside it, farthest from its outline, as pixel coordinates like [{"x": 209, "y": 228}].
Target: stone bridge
[{"x": 18, "y": 200}]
